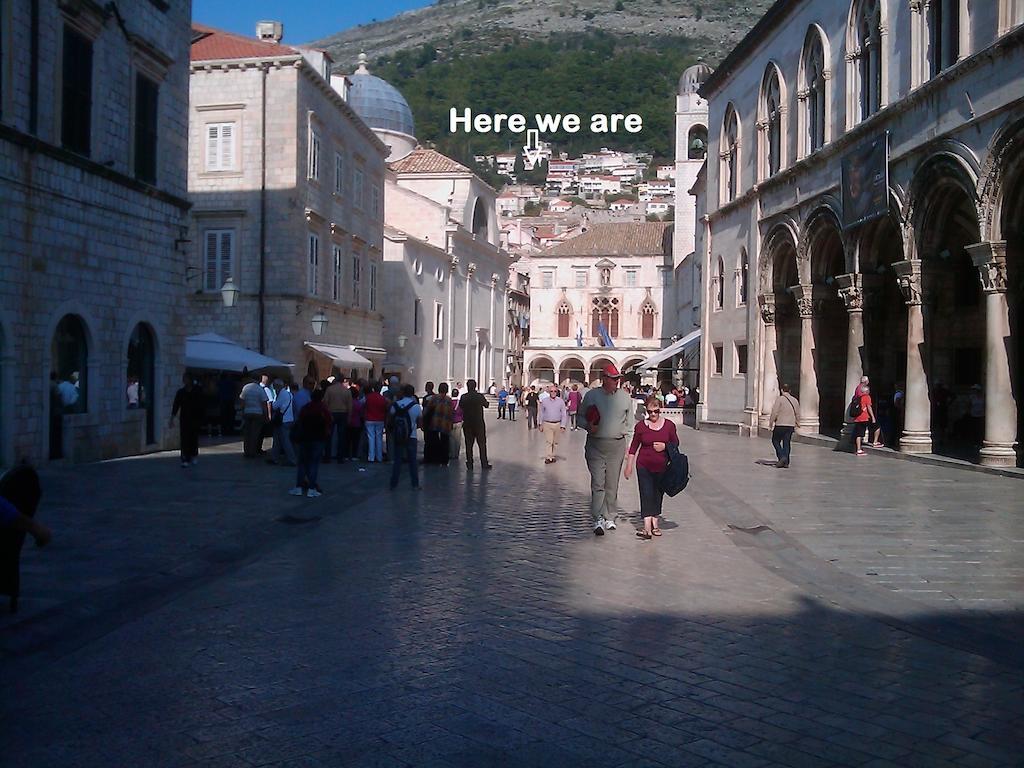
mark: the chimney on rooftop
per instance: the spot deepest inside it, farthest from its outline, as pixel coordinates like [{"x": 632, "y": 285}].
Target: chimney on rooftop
[{"x": 270, "y": 31}]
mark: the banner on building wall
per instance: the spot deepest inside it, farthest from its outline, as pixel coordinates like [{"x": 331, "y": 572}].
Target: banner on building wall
[{"x": 865, "y": 182}]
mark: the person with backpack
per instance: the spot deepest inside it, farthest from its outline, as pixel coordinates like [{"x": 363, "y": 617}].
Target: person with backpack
[
  {"x": 782, "y": 422},
  {"x": 312, "y": 429},
  {"x": 502, "y": 402},
  {"x": 648, "y": 453},
  {"x": 861, "y": 414},
  {"x": 283, "y": 418},
  {"x": 405, "y": 417}
]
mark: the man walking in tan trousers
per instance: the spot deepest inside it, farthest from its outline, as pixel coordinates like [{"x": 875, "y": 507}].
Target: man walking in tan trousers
[{"x": 554, "y": 418}]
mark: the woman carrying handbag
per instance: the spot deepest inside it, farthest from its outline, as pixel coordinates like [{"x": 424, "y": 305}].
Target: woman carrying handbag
[{"x": 648, "y": 455}]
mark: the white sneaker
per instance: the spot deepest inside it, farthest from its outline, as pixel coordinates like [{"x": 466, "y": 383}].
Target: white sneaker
[
  {"x": 609, "y": 525},
  {"x": 296, "y": 491},
  {"x": 312, "y": 493},
  {"x": 599, "y": 527}
]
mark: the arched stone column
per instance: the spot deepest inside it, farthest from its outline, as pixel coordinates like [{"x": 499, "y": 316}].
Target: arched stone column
[
  {"x": 769, "y": 373},
  {"x": 917, "y": 436},
  {"x": 808, "y": 375},
  {"x": 1000, "y": 407}
]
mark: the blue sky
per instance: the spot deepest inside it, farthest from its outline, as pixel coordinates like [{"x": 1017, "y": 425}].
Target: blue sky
[{"x": 304, "y": 20}]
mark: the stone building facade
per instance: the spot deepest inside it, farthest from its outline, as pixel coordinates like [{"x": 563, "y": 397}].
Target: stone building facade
[
  {"x": 925, "y": 296},
  {"x": 287, "y": 184},
  {"x": 613, "y": 275},
  {"x": 446, "y": 275},
  {"x": 93, "y": 105}
]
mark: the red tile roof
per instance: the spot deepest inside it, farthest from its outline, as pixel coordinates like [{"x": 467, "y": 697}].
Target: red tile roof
[
  {"x": 646, "y": 239},
  {"x": 427, "y": 161},
  {"x": 210, "y": 44}
]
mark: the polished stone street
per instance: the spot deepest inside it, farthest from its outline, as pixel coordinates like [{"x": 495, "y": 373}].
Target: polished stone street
[{"x": 844, "y": 612}]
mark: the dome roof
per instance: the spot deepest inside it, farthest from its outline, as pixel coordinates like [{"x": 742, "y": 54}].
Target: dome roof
[
  {"x": 379, "y": 103},
  {"x": 693, "y": 78}
]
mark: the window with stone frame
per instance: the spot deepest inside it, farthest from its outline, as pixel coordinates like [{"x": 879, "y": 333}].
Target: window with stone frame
[
  {"x": 220, "y": 146},
  {"x": 417, "y": 309},
  {"x": 147, "y": 116},
  {"x": 313, "y": 272},
  {"x": 547, "y": 278},
  {"x": 741, "y": 359},
  {"x": 719, "y": 359},
  {"x": 813, "y": 93},
  {"x": 339, "y": 173},
  {"x": 771, "y": 117},
  {"x": 943, "y": 34},
  {"x": 631, "y": 275},
  {"x": 719, "y": 284},
  {"x": 581, "y": 278},
  {"x": 314, "y": 156},
  {"x": 564, "y": 319},
  {"x": 337, "y": 271},
  {"x": 218, "y": 258},
  {"x": 357, "y": 188},
  {"x": 742, "y": 276},
  {"x": 866, "y": 36},
  {"x": 730, "y": 154},
  {"x": 357, "y": 267},
  {"x": 648, "y": 314},
  {"x": 373, "y": 287},
  {"x": 76, "y": 92},
  {"x": 604, "y": 310},
  {"x": 438, "y": 321}
]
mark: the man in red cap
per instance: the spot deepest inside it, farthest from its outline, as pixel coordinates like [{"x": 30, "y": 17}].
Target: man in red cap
[{"x": 605, "y": 413}]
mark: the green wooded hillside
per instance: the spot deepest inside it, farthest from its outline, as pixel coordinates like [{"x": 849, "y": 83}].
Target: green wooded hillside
[{"x": 578, "y": 73}]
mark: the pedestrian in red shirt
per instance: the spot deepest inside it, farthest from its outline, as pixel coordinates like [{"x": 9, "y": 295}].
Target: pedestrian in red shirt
[
  {"x": 375, "y": 413},
  {"x": 863, "y": 420},
  {"x": 647, "y": 453}
]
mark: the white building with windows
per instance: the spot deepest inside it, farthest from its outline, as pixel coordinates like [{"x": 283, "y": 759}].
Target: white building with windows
[
  {"x": 864, "y": 198},
  {"x": 93, "y": 217},
  {"x": 611, "y": 279},
  {"x": 286, "y": 183}
]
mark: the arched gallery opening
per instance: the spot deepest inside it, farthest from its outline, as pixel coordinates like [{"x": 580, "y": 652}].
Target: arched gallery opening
[
  {"x": 572, "y": 371},
  {"x": 542, "y": 369},
  {"x": 954, "y": 318},
  {"x": 787, "y": 316},
  {"x": 69, "y": 378},
  {"x": 884, "y": 354},
  {"x": 827, "y": 262},
  {"x": 1012, "y": 231},
  {"x": 596, "y": 367}
]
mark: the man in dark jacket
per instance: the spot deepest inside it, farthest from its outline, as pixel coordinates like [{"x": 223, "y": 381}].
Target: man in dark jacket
[{"x": 474, "y": 429}]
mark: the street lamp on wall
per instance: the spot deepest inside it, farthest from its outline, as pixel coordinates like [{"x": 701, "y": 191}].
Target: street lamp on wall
[
  {"x": 320, "y": 322},
  {"x": 229, "y": 293}
]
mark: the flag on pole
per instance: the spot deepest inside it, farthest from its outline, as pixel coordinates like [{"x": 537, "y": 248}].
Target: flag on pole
[
  {"x": 579, "y": 336},
  {"x": 606, "y": 339}
]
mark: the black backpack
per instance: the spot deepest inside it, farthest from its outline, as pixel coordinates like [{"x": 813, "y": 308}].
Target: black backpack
[
  {"x": 677, "y": 474},
  {"x": 855, "y": 408},
  {"x": 402, "y": 428}
]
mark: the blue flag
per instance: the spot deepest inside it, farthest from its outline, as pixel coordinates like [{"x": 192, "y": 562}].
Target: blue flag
[
  {"x": 579, "y": 336},
  {"x": 606, "y": 339}
]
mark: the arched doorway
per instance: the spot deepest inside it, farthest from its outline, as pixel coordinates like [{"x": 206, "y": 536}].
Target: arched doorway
[
  {"x": 828, "y": 261},
  {"x": 787, "y": 323},
  {"x": 542, "y": 368},
  {"x": 954, "y": 316},
  {"x": 596, "y": 366},
  {"x": 1012, "y": 229},
  {"x": 69, "y": 378},
  {"x": 572, "y": 370},
  {"x": 141, "y": 374},
  {"x": 884, "y": 354}
]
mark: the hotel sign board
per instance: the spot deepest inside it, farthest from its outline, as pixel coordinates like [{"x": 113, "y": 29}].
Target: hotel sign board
[{"x": 865, "y": 182}]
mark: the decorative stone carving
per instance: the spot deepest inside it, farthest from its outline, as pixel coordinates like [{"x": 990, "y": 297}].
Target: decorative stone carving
[
  {"x": 805, "y": 304},
  {"x": 453, "y": 263},
  {"x": 767, "y": 304},
  {"x": 908, "y": 278},
  {"x": 990, "y": 259},
  {"x": 470, "y": 269},
  {"x": 853, "y": 298}
]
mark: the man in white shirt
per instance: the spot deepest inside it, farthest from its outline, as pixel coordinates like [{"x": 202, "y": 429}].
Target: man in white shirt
[{"x": 255, "y": 412}]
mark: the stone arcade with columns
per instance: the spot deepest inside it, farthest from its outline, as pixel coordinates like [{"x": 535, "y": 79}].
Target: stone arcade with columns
[
  {"x": 924, "y": 298},
  {"x": 615, "y": 275}
]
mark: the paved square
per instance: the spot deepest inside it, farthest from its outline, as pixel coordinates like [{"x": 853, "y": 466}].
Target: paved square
[{"x": 842, "y": 612}]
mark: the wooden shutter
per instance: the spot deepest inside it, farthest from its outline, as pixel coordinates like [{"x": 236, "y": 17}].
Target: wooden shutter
[
  {"x": 212, "y": 147},
  {"x": 563, "y": 324},
  {"x": 227, "y": 146},
  {"x": 647, "y": 324},
  {"x": 210, "y": 259},
  {"x": 227, "y": 257}
]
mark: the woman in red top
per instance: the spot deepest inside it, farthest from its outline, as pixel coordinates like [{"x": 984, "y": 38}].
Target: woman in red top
[
  {"x": 647, "y": 454},
  {"x": 375, "y": 412},
  {"x": 862, "y": 422}
]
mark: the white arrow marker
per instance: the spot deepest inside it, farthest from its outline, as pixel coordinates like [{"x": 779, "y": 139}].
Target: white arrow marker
[{"x": 531, "y": 149}]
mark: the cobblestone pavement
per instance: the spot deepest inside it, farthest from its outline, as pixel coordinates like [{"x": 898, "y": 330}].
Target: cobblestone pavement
[{"x": 853, "y": 612}]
